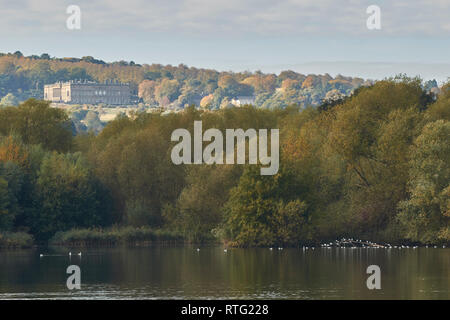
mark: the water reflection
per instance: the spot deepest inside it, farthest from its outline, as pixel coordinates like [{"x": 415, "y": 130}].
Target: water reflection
[{"x": 184, "y": 272}]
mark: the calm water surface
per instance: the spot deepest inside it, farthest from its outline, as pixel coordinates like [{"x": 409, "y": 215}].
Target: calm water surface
[{"x": 211, "y": 273}]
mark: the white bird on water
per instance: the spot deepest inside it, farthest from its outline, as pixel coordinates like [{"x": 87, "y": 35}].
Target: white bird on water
[
  {"x": 70, "y": 254},
  {"x": 79, "y": 253},
  {"x": 225, "y": 250},
  {"x": 198, "y": 249},
  {"x": 41, "y": 255}
]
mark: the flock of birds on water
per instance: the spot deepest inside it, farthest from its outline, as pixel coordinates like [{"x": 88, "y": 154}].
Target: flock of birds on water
[
  {"x": 352, "y": 244},
  {"x": 343, "y": 243}
]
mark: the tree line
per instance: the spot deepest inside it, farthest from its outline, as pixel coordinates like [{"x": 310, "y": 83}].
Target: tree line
[
  {"x": 374, "y": 165},
  {"x": 170, "y": 86}
]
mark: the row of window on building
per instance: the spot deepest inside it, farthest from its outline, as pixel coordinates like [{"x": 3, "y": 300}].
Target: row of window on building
[{"x": 96, "y": 92}]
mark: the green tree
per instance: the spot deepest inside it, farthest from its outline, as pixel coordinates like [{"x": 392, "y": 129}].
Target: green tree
[
  {"x": 199, "y": 209},
  {"x": 134, "y": 163},
  {"x": 14, "y": 177},
  {"x": 37, "y": 123},
  {"x": 426, "y": 214},
  {"x": 263, "y": 210},
  {"x": 441, "y": 108},
  {"x": 371, "y": 133},
  {"x": 68, "y": 195},
  {"x": 6, "y": 218}
]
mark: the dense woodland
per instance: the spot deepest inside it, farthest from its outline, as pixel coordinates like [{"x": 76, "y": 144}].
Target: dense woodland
[{"x": 374, "y": 165}]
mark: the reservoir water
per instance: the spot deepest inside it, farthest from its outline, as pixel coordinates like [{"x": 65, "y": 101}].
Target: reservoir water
[{"x": 211, "y": 273}]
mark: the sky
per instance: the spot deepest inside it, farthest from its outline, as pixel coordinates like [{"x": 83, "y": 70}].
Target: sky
[{"x": 307, "y": 36}]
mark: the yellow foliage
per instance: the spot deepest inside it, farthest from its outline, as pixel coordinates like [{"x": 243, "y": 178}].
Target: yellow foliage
[
  {"x": 14, "y": 152},
  {"x": 206, "y": 101}
]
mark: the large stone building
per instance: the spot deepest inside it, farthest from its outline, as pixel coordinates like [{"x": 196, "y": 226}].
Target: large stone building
[{"x": 80, "y": 92}]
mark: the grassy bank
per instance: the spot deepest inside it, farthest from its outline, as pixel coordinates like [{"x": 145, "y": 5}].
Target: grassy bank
[
  {"x": 115, "y": 236},
  {"x": 16, "y": 240}
]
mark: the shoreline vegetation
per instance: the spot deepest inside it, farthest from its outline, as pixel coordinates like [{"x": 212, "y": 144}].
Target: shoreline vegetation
[
  {"x": 145, "y": 236},
  {"x": 16, "y": 240},
  {"x": 96, "y": 237},
  {"x": 115, "y": 236},
  {"x": 372, "y": 166}
]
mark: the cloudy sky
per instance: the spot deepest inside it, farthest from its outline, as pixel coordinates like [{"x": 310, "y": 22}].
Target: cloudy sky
[{"x": 309, "y": 36}]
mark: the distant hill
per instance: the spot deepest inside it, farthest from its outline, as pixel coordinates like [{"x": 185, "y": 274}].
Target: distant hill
[{"x": 173, "y": 86}]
